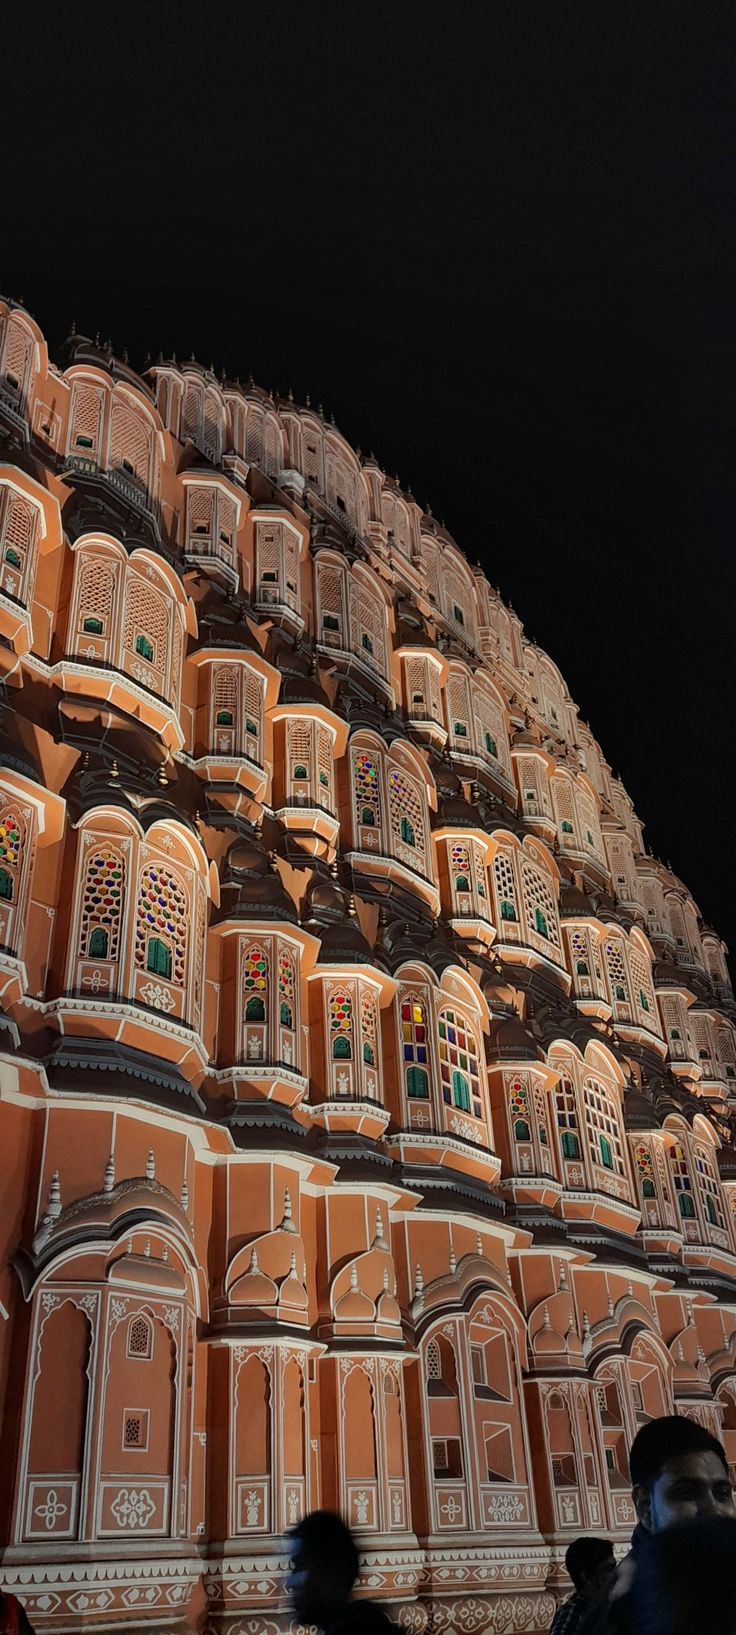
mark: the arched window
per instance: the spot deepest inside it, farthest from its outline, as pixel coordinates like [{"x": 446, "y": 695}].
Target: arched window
[
  {"x": 162, "y": 924},
  {"x": 287, "y": 990},
  {"x": 407, "y": 815},
  {"x": 682, "y": 1182},
  {"x": 603, "y": 1127},
  {"x": 366, "y": 774},
  {"x": 11, "y": 852},
  {"x": 708, "y": 1187},
  {"x": 520, "y": 1111},
  {"x": 539, "y": 903},
  {"x": 102, "y": 903},
  {"x": 645, "y": 1171},
  {"x": 341, "y": 1027},
  {"x": 567, "y": 1120},
  {"x": 504, "y": 882},
  {"x": 255, "y": 983},
  {"x": 369, "y": 1029},
  {"x": 19, "y": 519},
  {"x": 140, "y": 1339},
  {"x": 459, "y": 1063},
  {"x": 415, "y": 1046}
]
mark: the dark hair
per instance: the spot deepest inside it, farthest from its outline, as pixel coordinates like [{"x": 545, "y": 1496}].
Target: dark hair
[
  {"x": 684, "y": 1580},
  {"x": 328, "y": 1539},
  {"x": 668, "y": 1438},
  {"x": 585, "y": 1555}
]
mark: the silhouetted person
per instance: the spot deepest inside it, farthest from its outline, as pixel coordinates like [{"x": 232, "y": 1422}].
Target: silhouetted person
[
  {"x": 324, "y": 1567},
  {"x": 679, "y": 1473},
  {"x": 14, "y": 1619},
  {"x": 590, "y": 1563},
  {"x": 684, "y": 1580}
]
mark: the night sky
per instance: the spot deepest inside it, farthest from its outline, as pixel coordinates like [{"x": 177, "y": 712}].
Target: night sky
[{"x": 497, "y": 243}]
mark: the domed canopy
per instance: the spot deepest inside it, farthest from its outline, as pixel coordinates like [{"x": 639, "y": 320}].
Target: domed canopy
[
  {"x": 250, "y": 887},
  {"x": 639, "y": 1112},
  {"x": 513, "y": 1041}
]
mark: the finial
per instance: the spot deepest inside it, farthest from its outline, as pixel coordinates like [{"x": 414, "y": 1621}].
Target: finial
[
  {"x": 611, "y": 1309},
  {"x": 630, "y": 1289},
  {"x": 126, "y": 359},
  {"x": 85, "y": 760},
  {"x": 151, "y": 1165},
  {"x": 73, "y": 329},
  {"x": 97, "y": 337},
  {"x": 419, "y": 1280},
  {"x": 547, "y": 1323},
  {"x": 184, "y": 1195},
  {"x": 114, "y": 770},
  {"x": 254, "y": 1260},
  {"x": 453, "y": 1260},
  {"x": 680, "y": 1352},
  {"x": 287, "y": 1224},
  {"x": 320, "y": 411},
  {"x": 109, "y": 1181},
  {"x": 586, "y": 1325},
  {"x": 563, "y": 1280},
  {"x": 290, "y": 396},
  {"x": 307, "y": 401},
  {"x": 385, "y": 1278},
  {"x": 162, "y": 778},
  {"x": 352, "y": 910},
  {"x": 379, "y": 1241},
  {"x": 292, "y": 1264},
  {"x": 478, "y": 1244},
  {"x": 353, "y": 1276},
  {"x": 147, "y": 1250},
  {"x": 53, "y": 1205},
  {"x": 166, "y": 1254}
]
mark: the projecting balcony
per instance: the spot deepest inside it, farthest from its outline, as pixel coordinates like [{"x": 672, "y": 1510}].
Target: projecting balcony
[{"x": 281, "y": 602}]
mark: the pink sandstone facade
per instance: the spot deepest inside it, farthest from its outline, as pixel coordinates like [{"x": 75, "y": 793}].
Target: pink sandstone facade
[{"x": 365, "y": 1086}]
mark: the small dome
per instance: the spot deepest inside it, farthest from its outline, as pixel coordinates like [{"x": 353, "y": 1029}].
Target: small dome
[
  {"x": 513, "y": 1041},
  {"x": 454, "y": 811},
  {"x": 639, "y": 1113},
  {"x": 727, "y": 1163},
  {"x": 344, "y": 944},
  {"x": 250, "y": 888},
  {"x": 573, "y": 901}
]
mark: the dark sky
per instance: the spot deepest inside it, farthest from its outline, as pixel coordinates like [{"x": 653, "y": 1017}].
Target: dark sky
[{"x": 497, "y": 242}]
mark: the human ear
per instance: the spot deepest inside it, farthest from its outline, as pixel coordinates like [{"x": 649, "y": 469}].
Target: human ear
[{"x": 643, "y": 1504}]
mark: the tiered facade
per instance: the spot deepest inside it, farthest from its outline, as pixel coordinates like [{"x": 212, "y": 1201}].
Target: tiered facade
[{"x": 365, "y": 1086}]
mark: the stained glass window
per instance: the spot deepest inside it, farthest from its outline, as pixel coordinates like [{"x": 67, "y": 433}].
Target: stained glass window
[
  {"x": 645, "y": 1170},
  {"x": 11, "y": 840},
  {"x": 162, "y": 919},
  {"x": 414, "y": 1047},
  {"x": 255, "y": 983},
  {"x": 369, "y": 1028},
  {"x": 341, "y": 1026},
  {"x": 519, "y": 1101},
  {"x": 102, "y": 901},
  {"x": 367, "y": 790},
  {"x": 567, "y": 1119},
  {"x": 459, "y": 1063},
  {"x": 287, "y": 989}
]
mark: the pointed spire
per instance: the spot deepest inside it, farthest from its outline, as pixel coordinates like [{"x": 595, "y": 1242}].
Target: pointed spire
[
  {"x": 109, "y": 1181},
  {"x": 151, "y": 1165}
]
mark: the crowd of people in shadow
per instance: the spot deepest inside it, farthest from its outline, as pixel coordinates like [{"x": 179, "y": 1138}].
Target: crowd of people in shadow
[{"x": 677, "y": 1578}]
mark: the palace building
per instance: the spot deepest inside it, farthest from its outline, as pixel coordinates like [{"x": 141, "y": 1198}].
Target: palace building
[{"x": 366, "y": 1086}]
